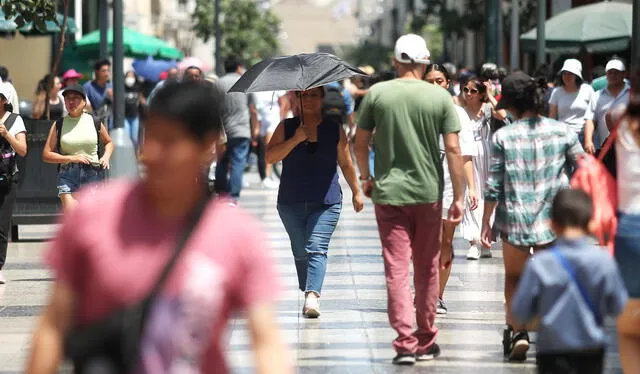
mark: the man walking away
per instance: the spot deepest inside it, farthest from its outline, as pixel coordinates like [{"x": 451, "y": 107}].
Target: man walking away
[
  {"x": 240, "y": 119},
  {"x": 409, "y": 116}
]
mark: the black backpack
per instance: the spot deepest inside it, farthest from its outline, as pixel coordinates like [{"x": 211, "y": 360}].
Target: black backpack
[
  {"x": 333, "y": 105},
  {"x": 98, "y": 125},
  {"x": 7, "y": 156}
]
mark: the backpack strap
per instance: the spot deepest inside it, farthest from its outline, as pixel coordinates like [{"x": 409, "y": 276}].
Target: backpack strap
[
  {"x": 10, "y": 121},
  {"x": 572, "y": 275},
  {"x": 59, "y": 123}
]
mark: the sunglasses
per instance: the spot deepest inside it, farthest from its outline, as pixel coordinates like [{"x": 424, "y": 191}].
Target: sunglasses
[{"x": 471, "y": 91}]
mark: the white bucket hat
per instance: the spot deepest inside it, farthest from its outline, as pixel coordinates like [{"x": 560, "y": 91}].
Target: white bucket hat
[{"x": 572, "y": 66}]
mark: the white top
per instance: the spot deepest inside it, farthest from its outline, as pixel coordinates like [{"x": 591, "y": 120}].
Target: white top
[
  {"x": 601, "y": 102},
  {"x": 628, "y": 162},
  {"x": 17, "y": 127},
  {"x": 572, "y": 106}
]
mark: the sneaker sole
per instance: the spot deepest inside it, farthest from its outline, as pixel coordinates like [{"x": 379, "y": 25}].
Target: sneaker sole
[
  {"x": 429, "y": 357},
  {"x": 519, "y": 352},
  {"x": 473, "y": 258},
  {"x": 441, "y": 312},
  {"x": 405, "y": 361},
  {"x": 311, "y": 313}
]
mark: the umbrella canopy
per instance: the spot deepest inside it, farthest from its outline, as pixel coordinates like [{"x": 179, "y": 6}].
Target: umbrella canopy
[
  {"x": 135, "y": 45},
  {"x": 299, "y": 73},
  {"x": 29, "y": 28},
  {"x": 151, "y": 69},
  {"x": 600, "y": 27}
]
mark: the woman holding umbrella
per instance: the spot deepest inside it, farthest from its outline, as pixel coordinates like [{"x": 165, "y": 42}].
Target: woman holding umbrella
[{"x": 310, "y": 198}]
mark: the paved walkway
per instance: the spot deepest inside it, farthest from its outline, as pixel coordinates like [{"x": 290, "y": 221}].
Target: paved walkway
[{"x": 352, "y": 335}]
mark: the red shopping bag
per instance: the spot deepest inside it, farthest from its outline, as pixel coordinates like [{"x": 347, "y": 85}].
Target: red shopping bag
[{"x": 593, "y": 178}]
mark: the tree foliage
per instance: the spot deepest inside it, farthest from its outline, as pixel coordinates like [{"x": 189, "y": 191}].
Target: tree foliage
[
  {"x": 247, "y": 30},
  {"x": 38, "y": 12},
  {"x": 31, "y": 11}
]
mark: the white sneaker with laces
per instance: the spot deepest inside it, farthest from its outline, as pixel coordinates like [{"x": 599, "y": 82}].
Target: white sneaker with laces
[
  {"x": 473, "y": 253},
  {"x": 311, "y": 307}
]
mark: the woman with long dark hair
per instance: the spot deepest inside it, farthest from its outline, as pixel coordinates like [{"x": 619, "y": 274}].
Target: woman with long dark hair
[
  {"x": 439, "y": 75},
  {"x": 13, "y": 140},
  {"x": 57, "y": 108},
  {"x": 111, "y": 251},
  {"x": 311, "y": 148},
  {"x": 524, "y": 176},
  {"x": 481, "y": 106},
  {"x": 627, "y": 243}
]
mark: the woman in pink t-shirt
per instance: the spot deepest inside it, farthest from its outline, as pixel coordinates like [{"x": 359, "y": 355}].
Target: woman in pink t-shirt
[{"x": 112, "y": 248}]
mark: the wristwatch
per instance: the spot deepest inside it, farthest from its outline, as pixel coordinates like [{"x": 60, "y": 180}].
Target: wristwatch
[{"x": 364, "y": 178}]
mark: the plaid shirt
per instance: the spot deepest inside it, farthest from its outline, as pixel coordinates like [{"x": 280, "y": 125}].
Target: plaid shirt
[{"x": 529, "y": 164}]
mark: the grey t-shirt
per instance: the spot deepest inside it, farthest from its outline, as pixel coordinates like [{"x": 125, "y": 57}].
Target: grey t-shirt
[
  {"x": 572, "y": 106},
  {"x": 235, "y": 111}
]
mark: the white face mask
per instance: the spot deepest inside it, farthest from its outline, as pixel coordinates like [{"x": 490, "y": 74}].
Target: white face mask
[{"x": 130, "y": 81}]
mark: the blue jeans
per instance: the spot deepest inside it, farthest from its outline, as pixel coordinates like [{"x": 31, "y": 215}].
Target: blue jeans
[
  {"x": 310, "y": 227},
  {"x": 627, "y": 251},
  {"x": 132, "y": 127},
  {"x": 236, "y": 158}
]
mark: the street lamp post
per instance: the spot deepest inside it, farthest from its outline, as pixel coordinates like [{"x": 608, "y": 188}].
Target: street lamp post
[
  {"x": 218, "y": 58},
  {"x": 103, "y": 20},
  {"x": 492, "y": 40},
  {"x": 541, "y": 56},
  {"x": 123, "y": 160},
  {"x": 515, "y": 35}
]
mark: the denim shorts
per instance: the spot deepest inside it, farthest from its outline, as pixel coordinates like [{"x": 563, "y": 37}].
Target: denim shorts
[
  {"x": 71, "y": 177},
  {"x": 627, "y": 251}
]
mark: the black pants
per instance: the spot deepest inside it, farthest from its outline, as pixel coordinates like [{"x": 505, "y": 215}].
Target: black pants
[
  {"x": 588, "y": 362},
  {"x": 261, "y": 151},
  {"x": 7, "y": 202}
]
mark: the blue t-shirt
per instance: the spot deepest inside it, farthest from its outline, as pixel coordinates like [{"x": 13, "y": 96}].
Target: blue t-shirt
[{"x": 96, "y": 94}]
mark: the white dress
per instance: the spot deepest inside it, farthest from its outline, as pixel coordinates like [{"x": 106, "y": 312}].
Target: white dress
[
  {"x": 472, "y": 220},
  {"x": 467, "y": 148}
]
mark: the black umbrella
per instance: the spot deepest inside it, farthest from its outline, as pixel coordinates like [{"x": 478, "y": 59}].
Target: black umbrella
[{"x": 299, "y": 73}]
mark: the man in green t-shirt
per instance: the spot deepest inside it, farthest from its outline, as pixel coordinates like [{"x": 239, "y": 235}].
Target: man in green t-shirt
[{"x": 409, "y": 116}]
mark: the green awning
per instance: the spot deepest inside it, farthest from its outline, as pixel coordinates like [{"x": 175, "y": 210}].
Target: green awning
[
  {"x": 599, "y": 28},
  {"x": 136, "y": 45}
]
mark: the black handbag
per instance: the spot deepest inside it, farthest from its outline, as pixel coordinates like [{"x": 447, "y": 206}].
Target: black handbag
[{"x": 112, "y": 345}]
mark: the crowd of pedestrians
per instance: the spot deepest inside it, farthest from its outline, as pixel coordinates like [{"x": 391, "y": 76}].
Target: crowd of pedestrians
[{"x": 491, "y": 154}]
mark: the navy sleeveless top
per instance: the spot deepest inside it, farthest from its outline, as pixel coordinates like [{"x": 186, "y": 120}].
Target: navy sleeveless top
[{"x": 311, "y": 177}]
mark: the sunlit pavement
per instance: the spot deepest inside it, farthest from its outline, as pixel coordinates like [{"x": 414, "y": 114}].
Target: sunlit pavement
[{"x": 351, "y": 336}]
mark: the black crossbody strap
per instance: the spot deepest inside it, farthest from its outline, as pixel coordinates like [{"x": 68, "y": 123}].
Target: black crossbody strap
[{"x": 183, "y": 238}]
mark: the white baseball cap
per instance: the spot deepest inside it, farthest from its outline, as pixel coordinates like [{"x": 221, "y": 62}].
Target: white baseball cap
[
  {"x": 5, "y": 91},
  {"x": 412, "y": 49},
  {"x": 614, "y": 65},
  {"x": 572, "y": 66}
]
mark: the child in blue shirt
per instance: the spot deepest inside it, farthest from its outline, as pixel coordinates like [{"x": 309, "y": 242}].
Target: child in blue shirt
[{"x": 571, "y": 288}]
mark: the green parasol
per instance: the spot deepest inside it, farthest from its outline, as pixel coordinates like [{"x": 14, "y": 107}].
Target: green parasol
[
  {"x": 135, "y": 45},
  {"x": 598, "y": 28}
]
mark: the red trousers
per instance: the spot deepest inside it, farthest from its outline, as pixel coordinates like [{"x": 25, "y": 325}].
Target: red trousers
[{"x": 411, "y": 233}]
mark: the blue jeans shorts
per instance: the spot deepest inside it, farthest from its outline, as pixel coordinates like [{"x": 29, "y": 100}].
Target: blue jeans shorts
[
  {"x": 71, "y": 177},
  {"x": 627, "y": 252}
]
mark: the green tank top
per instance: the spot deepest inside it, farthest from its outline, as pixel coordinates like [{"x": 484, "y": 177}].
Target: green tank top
[{"x": 79, "y": 137}]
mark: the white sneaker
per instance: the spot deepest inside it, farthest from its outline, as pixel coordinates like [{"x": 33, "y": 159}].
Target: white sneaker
[
  {"x": 311, "y": 307},
  {"x": 485, "y": 252},
  {"x": 473, "y": 253},
  {"x": 269, "y": 184}
]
